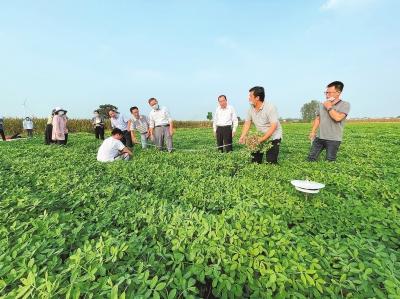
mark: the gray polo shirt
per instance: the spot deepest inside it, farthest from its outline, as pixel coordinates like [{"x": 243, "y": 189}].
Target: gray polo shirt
[
  {"x": 330, "y": 129},
  {"x": 263, "y": 119}
]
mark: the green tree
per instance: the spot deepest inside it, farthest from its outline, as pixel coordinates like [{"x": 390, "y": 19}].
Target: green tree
[
  {"x": 209, "y": 116},
  {"x": 104, "y": 109},
  {"x": 309, "y": 110}
]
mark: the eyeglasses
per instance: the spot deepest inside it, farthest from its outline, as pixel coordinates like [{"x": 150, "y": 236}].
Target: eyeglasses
[{"x": 330, "y": 92}]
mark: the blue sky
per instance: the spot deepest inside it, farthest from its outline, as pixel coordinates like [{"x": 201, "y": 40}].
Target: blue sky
[{"x": 79, "y": 54}]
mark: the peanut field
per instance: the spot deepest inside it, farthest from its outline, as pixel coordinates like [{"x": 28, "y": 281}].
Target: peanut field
[{"x": 200, "y": 224}]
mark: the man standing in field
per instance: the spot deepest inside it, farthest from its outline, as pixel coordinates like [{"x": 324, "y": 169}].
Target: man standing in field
[
  {"x": 27, "y": 124},
  {"x": 121, "y": 122},
  {"x": 3, "y": 136},
  {"x": 113, "y": 149},
  {"x": 225, "y": 123},
  {"x": 161, "y": 126},
  {"x": 98, "y": 124},
  {"x": 139, "y": 123},
  {"x": 265, "y": 117},
  {"x": 330, "y": 120}
]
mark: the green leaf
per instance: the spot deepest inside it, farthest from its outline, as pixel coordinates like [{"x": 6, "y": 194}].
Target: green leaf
[
  {"x": 153, "y": 282},
  {"x": 160, "y": 286},
  {"x": 114, "y": 292}
]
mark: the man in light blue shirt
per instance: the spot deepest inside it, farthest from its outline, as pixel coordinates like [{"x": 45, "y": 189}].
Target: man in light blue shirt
[{"x": 119, "y": 121}]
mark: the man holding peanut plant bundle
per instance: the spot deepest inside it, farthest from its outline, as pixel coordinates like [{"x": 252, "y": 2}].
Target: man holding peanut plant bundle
[{"x": 265, "y": 117}]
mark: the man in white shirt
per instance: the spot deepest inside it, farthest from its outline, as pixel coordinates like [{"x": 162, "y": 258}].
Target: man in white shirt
[
  {"x": 113, "y": 149},
  {"x": 160, "y": 125},
  {"x": 28, "y": 126},
  {"x": 121, "y": 122},
  {"x": 225, "y": 124}
]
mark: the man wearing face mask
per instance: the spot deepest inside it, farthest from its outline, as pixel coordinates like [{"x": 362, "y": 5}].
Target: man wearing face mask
[
  {"x": 265, "y": 117},
  {"x": 98, "y": 124},
  {"x": 161, "y": 126},
  {"x": 121, "y": 122},
  {"x": 329, "y": 122}
]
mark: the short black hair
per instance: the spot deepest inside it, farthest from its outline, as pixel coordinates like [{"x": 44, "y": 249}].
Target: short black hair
[
  {"x": 152, "y": 99},
  {"x": 133, "y": 108},
  {"x": 222, "y": 95},
  {"x": 337, "y": 84},
  {"x": 258, "y": 91},
  {"x": 116, "y": 131}
]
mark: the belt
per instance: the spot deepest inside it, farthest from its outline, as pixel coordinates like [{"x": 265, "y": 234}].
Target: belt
[{"x": 162, "y": 126}]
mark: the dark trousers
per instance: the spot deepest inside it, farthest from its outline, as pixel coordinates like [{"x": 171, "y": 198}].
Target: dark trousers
[
  {"x": 271, "y": 154},
  {"x": 2, "y": 134},
  {"x": 30, "y": 132},
  {"x": 66, "y": 138},
  {"x": 62, "y": 142},
  {"x": 99, "y": 132},
  {"x": 318, "y": 145},
  {"x": 127, "y": 140},
  {"x": 48, "y": 134},
  {"x": 224, "y": 137}
]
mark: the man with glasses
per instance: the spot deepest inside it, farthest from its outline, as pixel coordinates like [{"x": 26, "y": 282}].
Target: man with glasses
[{"x": 330, "y": 123}]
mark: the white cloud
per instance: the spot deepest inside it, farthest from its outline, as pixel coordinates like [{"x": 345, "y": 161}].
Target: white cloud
[{"x": 345, "y": 4}]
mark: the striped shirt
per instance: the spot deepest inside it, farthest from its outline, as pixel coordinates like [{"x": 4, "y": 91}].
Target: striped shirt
[{"x": 141, "y": 125}]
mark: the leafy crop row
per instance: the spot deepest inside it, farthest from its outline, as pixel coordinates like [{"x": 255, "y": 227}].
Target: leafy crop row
[{"x": 200, "y": 224}]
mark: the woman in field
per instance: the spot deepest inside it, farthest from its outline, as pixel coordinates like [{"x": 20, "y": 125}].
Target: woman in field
[{"x": 59, "y": 127}]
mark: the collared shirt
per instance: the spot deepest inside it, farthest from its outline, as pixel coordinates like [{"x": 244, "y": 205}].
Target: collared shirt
[
  {"x": 225, "y": 117},
  {"x": 140, "y": 124},
  {"x": 330, "y": 129},
  {"x": 120, "y": 122},
  {"x": 160, "y": 117},
  {"x": 98, "y": 121},
  {"x": 264, "y": 118}
]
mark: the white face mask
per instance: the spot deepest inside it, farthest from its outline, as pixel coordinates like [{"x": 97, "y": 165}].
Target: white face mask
[
  {"x": 155, "y": 106},
  {"x": 61, "y": 113}
]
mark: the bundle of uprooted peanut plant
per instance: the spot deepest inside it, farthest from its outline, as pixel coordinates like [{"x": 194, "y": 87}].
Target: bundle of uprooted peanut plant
[{"x": 253, "y": 144}]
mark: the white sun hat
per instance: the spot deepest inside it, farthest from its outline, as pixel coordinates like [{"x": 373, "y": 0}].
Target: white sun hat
[{"x": 307, "y": 186}]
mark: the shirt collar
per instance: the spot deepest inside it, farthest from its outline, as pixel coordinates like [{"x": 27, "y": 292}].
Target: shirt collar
[{"x": 261, "y": 108}]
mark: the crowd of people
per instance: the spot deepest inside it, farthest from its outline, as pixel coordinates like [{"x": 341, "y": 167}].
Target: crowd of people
[{"x": 326, "y": 132}]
